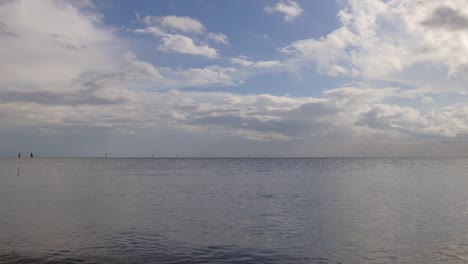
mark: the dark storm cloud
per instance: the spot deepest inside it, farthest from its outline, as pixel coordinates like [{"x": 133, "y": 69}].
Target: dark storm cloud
[{"x": 447, "y": 18}]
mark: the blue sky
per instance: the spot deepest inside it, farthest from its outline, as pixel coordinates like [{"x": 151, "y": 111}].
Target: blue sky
[
  {"x": 256, "y": 34},
  {"x": 234, "y": 78}
]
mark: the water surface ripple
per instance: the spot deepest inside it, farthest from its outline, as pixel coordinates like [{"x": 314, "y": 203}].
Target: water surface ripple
[{"x": 349, "y": 210}]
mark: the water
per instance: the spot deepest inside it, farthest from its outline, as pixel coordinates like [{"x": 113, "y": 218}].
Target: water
[{"x": 234, "y": 210}]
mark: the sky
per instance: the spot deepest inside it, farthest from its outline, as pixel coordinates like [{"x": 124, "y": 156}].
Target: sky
[{"x": 270, "y": 78}]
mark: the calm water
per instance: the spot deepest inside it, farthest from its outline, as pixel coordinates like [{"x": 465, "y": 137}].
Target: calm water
[{"x": 233, "y": 210}]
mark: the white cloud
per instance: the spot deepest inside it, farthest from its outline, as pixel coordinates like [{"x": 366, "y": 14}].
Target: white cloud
[
  {"x": 185, "y": 45},
  {"x": 267, "y": 64},
  {"x": 43, "y": 49},
  {"x": 290, "y": 9},
  {"x": 150, "y": 30},
  {"x": 218, "y": 38},
  {"x": 183, "y": 24},
  {"x": 243, "y": 61},
  {"x": 180, "y": 34},
  {"x": 200, "y": 77},
  {"x": 178, "y": 23},
  {"x": 427, "y": 100},
  {"x": 404, "y": 41},
  {"x": 140, "y": 69},
  {"x": 358, "y": 113},
  {"x": 329, "y": 53},
  {"x": 406, "y": 122},
  {"x": 54, "y": 80},
  {"x": 448, "y": 18}
]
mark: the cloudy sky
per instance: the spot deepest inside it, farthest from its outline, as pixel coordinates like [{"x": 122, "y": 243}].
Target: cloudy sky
[{"x": 234, "y": 78}]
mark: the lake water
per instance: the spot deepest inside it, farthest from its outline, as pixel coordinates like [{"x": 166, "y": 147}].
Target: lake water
[{"x": 350, "y": 210}]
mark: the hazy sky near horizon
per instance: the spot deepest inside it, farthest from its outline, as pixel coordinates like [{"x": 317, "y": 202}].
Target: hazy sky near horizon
[{"x": 234, "y": 78}]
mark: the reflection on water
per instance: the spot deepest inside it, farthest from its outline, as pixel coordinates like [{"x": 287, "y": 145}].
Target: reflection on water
[{"x": 233, "y": 210}]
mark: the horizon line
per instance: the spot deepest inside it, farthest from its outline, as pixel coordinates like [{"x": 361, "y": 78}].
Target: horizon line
[{"x": 226, "y": 157}]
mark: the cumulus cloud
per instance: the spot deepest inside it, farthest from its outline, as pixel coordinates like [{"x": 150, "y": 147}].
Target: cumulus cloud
[
  {"x": 177, "y": 23},
  {"x": 44, "y": 49},
  {"x": 447, "y": 123},
  {"x": 344, "y": 113},
  {"x": 183, "y": 24},
  {"x": 255, "y": 117},
  {"x": 50, "y": 74},
  {"x": 290, "y": 9},
  {"x": 448, "y": 18},
  {"x": 185, "y": 45},
  {"x": 348, "y": 112},
  {"x": 404, "y": 41},
  {"x": 181, "y": 35},
  {"x": 81, "y": 81}
]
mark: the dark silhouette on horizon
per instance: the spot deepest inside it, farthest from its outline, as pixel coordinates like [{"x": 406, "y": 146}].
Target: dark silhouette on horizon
[
  {"x": 31, "y": 155},
  {"x": 19, "y": 154}
]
